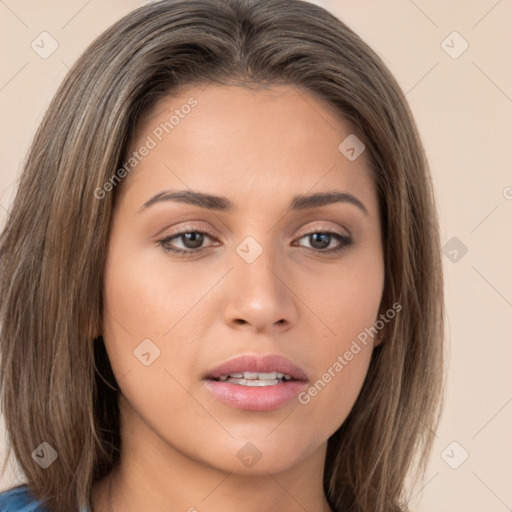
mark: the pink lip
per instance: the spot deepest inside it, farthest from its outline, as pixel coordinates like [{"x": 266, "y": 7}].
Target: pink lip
[{"x": 256, "y": 398}]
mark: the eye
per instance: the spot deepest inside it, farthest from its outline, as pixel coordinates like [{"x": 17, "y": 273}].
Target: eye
[
  {"x": 192, "y": 241},
  {"x": 320, "y": 240}
]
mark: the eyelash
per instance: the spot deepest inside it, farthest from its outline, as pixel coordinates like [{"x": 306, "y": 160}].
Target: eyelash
[{"x": 345, "y": 240}]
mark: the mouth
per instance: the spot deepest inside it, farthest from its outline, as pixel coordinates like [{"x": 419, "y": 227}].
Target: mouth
[
  {"x": 256, "y": 383},
  {"x": 255, "y": 379}
]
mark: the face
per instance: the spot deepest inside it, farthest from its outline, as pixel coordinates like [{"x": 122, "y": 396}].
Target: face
[{"x": 266, "y": 272}]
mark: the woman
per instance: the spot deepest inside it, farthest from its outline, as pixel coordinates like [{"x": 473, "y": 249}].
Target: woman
[{"x": 220, "y": 279}]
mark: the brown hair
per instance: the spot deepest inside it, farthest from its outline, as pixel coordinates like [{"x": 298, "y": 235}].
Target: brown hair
[{"x": 57, "y": 384}]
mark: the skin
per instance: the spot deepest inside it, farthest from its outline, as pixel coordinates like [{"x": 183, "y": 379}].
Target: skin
[{"x": 259, "y": 148}]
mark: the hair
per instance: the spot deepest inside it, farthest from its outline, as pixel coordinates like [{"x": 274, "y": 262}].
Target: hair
[{"x": 56, "y": 380}]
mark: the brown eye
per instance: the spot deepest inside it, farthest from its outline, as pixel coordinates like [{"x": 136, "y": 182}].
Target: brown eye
[
  {"x": 321, "y": 240},
  {"x": 191, "y": 242}
]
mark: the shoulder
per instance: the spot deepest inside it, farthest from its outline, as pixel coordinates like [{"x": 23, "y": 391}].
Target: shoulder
[{"x": 19, "y": 499}]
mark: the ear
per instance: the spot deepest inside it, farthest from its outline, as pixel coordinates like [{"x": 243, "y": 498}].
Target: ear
[
  {"x": 382, "y": 333},
  {"x": 378, "y": 339}
]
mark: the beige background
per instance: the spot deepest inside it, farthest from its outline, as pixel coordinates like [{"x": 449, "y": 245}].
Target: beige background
[{"x": 463, "y": 107}]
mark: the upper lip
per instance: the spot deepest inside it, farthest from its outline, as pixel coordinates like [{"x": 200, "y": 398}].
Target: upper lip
[{"x": 260, "y": 364}]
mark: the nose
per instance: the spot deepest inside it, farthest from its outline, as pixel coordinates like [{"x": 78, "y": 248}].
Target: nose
[{"x": 259, "y": 299}]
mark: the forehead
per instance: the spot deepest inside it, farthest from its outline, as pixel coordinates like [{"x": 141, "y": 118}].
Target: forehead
[{"x": 251, "y": 142}]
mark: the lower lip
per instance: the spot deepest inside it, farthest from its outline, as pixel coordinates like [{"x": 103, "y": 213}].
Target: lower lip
[{"x": 255, "y": 398}]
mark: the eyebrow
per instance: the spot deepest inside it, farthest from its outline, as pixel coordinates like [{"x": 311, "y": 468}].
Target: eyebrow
[{"x": 220, "y": 203}]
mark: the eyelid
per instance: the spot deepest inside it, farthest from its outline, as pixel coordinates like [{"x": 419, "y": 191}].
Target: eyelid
[
  {"x": 343, "y": 238},
  {"x": 327, "y": 229},
  {"x": 316, "y": 229},
  {"x": 187, "y": 228}
]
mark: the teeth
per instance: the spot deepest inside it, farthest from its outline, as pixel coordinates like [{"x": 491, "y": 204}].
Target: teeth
[
  {"x": 255, "y": 378},
  {"x": 260, "y": 376},
  {"x": 253, "y": 382}
]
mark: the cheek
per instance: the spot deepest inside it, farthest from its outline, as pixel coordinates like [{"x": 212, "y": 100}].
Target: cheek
[
  {"x": 147, "y": 337},
  {"x": 146, "y": 305},
  {"x": 351, "y": 301},
  {"x": 334, "y": 390},
  {"x": 346, "y": 301},
  {"x": 145, "y": 294}
]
